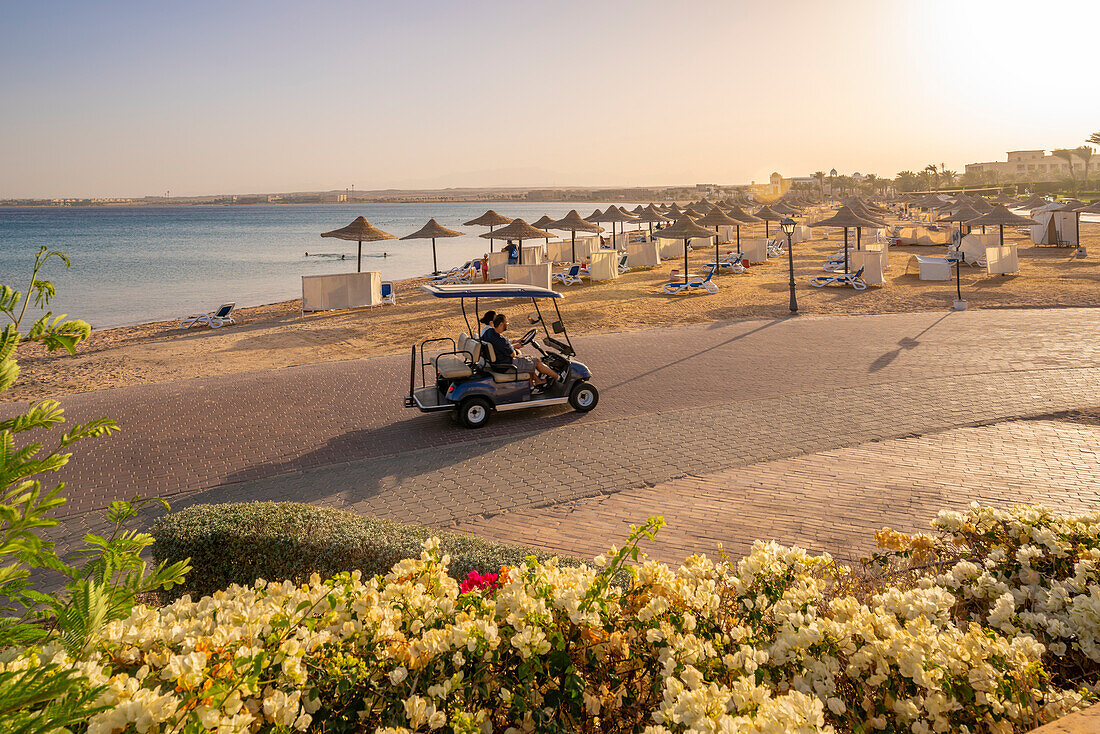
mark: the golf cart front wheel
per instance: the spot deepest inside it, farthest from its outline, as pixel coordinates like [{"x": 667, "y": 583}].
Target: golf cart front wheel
[
  {"x": 583, "y": 397},
  {"x": 474, "y": 413}
]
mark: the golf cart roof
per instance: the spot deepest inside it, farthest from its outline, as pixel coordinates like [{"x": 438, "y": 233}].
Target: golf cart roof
[{"x": 491, "y": 290}]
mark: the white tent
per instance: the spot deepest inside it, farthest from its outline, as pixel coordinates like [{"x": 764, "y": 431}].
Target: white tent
[{"x": 1054, "y": 228}]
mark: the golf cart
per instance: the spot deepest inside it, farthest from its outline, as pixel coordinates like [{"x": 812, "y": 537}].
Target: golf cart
[{"x": 468, "y": 383}]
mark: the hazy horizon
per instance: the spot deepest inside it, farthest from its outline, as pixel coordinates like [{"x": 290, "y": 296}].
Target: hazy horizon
[{"x": 133, "y": 99}]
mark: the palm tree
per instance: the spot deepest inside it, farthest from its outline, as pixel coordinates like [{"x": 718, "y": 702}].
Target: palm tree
[
  {"x": 1085, "y": 154},
  {"x": 1094, "y": 139},
  {"x": 1067, "y": 155},
  {"x": 905, "y": 181},
  {"x": 933, "y": 177},
  {"x": 819, "y": 176},
  {"x": 949, "y": 176}
]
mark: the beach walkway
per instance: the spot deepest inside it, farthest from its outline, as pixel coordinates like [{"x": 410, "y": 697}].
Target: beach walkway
[{"x": 815, "y": 430}]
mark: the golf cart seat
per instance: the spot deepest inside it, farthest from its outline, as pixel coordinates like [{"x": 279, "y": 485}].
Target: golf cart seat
[
  {"x": 500, "y": 374},
  {"x": 460, "y": 364}
]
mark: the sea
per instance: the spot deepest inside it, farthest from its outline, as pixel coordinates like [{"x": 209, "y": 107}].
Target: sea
[{"x": 133, "y": 265}]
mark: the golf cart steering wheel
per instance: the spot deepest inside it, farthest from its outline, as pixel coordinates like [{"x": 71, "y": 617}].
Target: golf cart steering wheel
[{"x": 528, "y": 337}]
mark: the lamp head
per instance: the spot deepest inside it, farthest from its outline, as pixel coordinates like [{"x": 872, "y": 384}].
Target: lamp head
[{"x": 787, "y": 225}]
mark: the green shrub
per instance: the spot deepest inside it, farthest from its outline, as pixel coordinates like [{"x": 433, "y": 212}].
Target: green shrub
[{"x": 241, "y": 542}]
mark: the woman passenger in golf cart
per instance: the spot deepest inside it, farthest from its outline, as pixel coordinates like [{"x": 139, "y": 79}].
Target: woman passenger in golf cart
[{"x": 506, "y": 353}]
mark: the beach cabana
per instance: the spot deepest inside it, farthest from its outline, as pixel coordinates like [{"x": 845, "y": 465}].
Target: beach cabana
[
  {"x": 489, "y": 219},
  {"x": 433, "y": 230},
  {"x": 573, "y": 223},
  {"x": 684, "y": 229},
  {"x": 518, "y": 230},
  {"x": 847, "y": 219},
  {"x": 359, "y": 231}
]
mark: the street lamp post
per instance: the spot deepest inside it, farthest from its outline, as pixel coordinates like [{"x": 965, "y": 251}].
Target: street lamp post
[{"x": 788, "y": 229}]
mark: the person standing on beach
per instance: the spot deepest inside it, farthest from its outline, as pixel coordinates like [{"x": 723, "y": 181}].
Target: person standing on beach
[{"x": 485, "y": 268}]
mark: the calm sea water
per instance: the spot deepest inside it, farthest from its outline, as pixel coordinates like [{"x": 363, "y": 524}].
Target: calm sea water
[{"x": 137, "y": 264}]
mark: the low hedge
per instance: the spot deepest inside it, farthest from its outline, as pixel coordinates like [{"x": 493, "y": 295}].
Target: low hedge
[{"x": 237, "y": 543}]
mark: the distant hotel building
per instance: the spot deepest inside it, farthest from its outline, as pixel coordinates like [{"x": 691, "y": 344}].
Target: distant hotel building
[{"x": 1028, "y": 164}]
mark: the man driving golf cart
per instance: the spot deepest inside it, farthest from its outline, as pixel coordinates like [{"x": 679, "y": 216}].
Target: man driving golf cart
[
  {"x": 506, "y": 352},
  {"x": 477, "y": 376}
]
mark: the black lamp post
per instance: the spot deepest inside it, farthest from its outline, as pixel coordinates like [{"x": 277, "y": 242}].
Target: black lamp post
[{"x": 788, "y": 229}]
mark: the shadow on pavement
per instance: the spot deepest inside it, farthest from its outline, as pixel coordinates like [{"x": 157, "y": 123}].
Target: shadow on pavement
[
  {"x": 693, "y": 355},
  {"x": 906, "y": 342}
]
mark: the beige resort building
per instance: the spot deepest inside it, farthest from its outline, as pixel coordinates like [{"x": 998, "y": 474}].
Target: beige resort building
[{"x": 1033, "y": 165}]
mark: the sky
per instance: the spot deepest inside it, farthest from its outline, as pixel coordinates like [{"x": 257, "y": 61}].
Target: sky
[{"x": 101, "y": 99}]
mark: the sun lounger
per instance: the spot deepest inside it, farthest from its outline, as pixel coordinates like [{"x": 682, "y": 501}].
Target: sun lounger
[
  {"x": 730, "y": 262},
  {"x": 388, "y": 294},
  {"x": 623, "y": 267},
  {"x": 456, "y": 278},
  {"x": 853, "y": 279},
  {"x": 214, "y": 319},
  {"x": 694, "y": 283},
  {"x": 775, "y": 247},
  {"x": 568, "y": 277}
]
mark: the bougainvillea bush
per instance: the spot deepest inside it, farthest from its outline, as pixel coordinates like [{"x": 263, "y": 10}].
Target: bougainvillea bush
[{"x": 921, "y": 638}]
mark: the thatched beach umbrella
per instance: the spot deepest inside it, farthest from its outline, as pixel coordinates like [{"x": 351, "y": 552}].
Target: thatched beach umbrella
[
  {"x": 489, "y": 219},
  {"x": 431, "y": 231},
  {"x": 612, "y": 215},
  {"x": 1032, "y": 202},
  {"x": 845, "y": 218},
  {"x": 1001, "y": 216},
  {"x": 684, "y": 229},
  {"x": 520, "y": 230},
  {"x": 782, "y": 207},
  {"x": 573, "y": 223},
  {"x": 716, "y": 218},
  {"x": 651, "y": 215},
  {"x": 596, "y": 213},
  {"x": 360, "y": 231},
  {"x": 862, "y": 211},
  {"x": 742, "y": 217},
  {"x": 544, "y": 222},
  {"x": 960, "y": 214},
  {"x": 768, "y": 215}
]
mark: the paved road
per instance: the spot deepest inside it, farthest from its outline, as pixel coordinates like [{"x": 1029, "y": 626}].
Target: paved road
[
  {"x": 829, "y": 501},
  {"x": 675, "y": 402}
]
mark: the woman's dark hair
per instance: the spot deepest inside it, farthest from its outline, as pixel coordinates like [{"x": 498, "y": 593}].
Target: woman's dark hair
[
  {"x": 498, "y": 319},
  {"x": 487, "y": 317}
]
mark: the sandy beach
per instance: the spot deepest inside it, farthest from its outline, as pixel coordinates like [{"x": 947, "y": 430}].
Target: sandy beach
[{"x": 279, "y": 335}]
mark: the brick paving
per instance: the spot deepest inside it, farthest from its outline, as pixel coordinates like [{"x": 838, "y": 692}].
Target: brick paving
[
  {"x": 674, "y": 403},
  {"x": 828, "y": 501}
]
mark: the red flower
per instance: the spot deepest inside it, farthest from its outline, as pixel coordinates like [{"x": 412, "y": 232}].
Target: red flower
[{"x": 478, "y": 582}]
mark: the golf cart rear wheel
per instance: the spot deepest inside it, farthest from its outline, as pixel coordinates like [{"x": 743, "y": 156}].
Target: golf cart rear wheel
[
  {"x": 584, "y": 396},
  {"x": 474, "y": 412}
]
